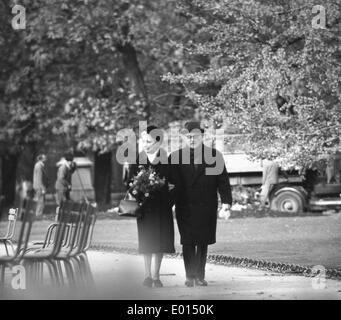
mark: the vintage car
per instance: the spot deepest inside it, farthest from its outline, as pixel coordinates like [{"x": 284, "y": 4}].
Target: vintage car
[{"x": 292, "y": 193}]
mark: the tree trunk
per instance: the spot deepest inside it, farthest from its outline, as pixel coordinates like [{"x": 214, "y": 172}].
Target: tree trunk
[
  {"x": 9, "y": 175},
  {"x": 131, "y": 64},
  {"x": 118, "y": 185},
  {"x": 103, "y": 177},
  {"x": 33, "y": 159}
]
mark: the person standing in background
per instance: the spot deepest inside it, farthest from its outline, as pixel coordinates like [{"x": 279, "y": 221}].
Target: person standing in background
[
  {"x": 40, "y": 183},
  {"x": 270, "y": 177},
  {"x": 126, "y": 174},
  {"x": 64, "y": 175}
]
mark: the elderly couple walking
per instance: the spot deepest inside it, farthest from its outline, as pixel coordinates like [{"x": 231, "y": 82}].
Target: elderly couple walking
[{"x": 194, "y": 192}]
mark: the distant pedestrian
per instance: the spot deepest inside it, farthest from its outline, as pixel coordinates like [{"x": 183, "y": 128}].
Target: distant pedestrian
[
  {"x": 269, "y": 179},
  {"x": 40, "y": 183},
  {"x": 126, "y": 174},
  {"x": 63, "y": 185}
]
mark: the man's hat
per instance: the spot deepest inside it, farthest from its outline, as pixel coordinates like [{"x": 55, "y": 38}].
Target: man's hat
[{"x": 193, "y": 125}]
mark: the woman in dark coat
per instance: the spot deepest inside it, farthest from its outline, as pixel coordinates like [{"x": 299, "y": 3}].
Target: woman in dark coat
[{"x": 155, "y": 226}]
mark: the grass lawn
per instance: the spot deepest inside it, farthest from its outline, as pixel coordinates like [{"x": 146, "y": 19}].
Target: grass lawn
[{"x": 305, "y": 240}]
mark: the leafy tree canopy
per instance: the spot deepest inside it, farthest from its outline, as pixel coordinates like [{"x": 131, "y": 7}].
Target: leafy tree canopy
[
  {"x": 274, "y": 72},
  {"x": 86, "y": 69}
]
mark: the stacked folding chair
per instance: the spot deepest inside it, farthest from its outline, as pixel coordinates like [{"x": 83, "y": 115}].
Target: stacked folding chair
[
  {"x": 63, "y": 251},
  {"x": 6, "y": 240},
  {"x": 27, "y": 217}
]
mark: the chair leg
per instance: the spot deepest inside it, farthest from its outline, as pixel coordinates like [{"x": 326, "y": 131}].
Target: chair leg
[
  {"x": 81, "y": 267},
  {"x": 70, "y": 273},
  {"x": 34, "y": 265},
  {"x": 41, "y": 275},
  {"x": 86, "y": 270},
  {"x": 60, "y": 272},
  {"x": 36, "y": 271},
  {"x": 2, "y": 275},
  {"x": 78, "y": 271},
  {"x": 6, "y": 248},
  {"x": 29, "y": 272},
  {"x": 12, "y": 247},
  {"x": 53, "y": 273}
]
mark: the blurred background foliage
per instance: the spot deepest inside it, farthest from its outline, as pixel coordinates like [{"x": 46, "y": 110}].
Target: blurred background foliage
[{"x": 83, "y": 70}]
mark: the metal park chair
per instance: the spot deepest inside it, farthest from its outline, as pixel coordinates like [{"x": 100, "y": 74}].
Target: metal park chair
[
  {"x": 27, "y": 213},
  {"x": 90, "y": 231},
  {"x": 65, "y": 243},
  {"x": 35, "y": 258},
  {"x": 7, "y": 238},
  {"x": 78, "y": 271},
  {"x": 68, "y": 231},
  {"x": 66, "y": 215},
  {"x": 81, "y": 258},
  {"x": 77, "y": 225},
  {"x": 53, "y": 248},
  {"x": 81, "y": 239},
  {"x": 73, "y": 255}
]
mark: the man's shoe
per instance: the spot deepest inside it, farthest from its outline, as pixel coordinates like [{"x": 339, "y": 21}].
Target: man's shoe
[
  {"x": 201, "y": 282},
  {"x": 148, "y": 282},
  {"x": 158, "y": 283},
  {"x": 189, "y": 283}
]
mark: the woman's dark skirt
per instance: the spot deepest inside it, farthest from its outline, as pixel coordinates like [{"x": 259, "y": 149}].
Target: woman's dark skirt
[{"x": 156, "y": 230}]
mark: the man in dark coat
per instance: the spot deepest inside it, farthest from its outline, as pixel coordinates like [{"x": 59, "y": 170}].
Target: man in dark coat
[{"x": 199, "y": 173}]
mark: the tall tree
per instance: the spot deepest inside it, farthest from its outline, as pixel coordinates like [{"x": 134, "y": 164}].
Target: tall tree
[
  {"x": 24, "y": 113},
  {"x": 86, "y": 69}
]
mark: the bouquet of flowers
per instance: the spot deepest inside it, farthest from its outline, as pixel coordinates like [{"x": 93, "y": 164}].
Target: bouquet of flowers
[{"x": 145, "y": 184}]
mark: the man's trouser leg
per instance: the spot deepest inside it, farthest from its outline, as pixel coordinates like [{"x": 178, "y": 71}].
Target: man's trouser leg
[
  {"x": 264, "y": 195},
  {"x": 201, "y": 255},
  {"x": 67, "y": 195},
  {"x": 40, "y": 198},
  {"x": 60, "y": 198},
  {"x": 189, "y": 256}
]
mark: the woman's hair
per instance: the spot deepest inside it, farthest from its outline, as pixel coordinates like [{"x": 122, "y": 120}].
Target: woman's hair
[
  {"x": 155, "y": 133},
  {"x": 68, "y": 156}
]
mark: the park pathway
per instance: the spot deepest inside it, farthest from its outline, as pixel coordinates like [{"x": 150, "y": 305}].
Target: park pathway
[{"x": 119, "y": 276}]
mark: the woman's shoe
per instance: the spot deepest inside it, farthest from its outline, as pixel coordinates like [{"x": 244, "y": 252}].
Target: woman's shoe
[
  {"x": 158, "y": 283},
  {"x": 148, "y": 282}
]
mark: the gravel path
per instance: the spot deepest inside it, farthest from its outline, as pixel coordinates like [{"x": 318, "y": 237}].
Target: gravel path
[
  {"x": 294, "y": 240},
  {"x": 119, "y": 276}
]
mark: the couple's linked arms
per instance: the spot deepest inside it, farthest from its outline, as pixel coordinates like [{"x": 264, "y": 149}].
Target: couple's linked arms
[{"x": 223, "y": 182}]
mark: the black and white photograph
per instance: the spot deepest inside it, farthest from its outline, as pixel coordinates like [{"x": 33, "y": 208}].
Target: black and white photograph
[{"x": 170, "y": 150}]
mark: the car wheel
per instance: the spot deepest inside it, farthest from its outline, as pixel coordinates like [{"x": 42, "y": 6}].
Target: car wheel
[{"x": 287, "y": 201}]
